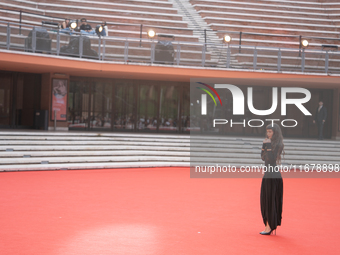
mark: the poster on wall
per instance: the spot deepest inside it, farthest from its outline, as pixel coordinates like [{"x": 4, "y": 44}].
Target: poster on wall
[{"x": 59, "y": 99}]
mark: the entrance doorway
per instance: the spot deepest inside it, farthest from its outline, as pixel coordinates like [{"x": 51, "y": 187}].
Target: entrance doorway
[{"x": 19, "y": 98}]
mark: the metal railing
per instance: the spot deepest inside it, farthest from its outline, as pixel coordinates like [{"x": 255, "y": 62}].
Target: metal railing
[
  {"x": 43, "y": 40},
  {"x": 237, "y": 35}
]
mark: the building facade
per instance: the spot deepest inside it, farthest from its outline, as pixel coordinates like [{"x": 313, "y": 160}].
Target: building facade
[{"x": 138, "y": 105}]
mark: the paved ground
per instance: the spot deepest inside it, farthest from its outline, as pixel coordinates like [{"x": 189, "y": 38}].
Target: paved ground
[{"x": 160, "y": 211}]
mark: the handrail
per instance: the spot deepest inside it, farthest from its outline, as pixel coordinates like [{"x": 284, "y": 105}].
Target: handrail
[
  {"x": 145, "y": 40},
  {"x": 186, "y": 29},
  {"x": 180, "y": 53}
]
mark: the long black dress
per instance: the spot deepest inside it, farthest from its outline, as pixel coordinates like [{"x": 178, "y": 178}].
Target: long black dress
[{"x": 271, "y": 197}]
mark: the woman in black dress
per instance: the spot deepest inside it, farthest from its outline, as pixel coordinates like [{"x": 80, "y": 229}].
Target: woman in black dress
[{"x": 271, "y": 197}]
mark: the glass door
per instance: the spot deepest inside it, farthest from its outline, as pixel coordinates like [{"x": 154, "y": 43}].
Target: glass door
[
  {"x": 79, "y": 105},
  {"x": 20, "y": 95},
  {"x": 5, "y": 92},
  {"x": 147, "y": 106},
  {"x": 185, "y": 110},
  {"x": 124, "y": 104},
  {"x": 101, "y": 105},
  {"x": 169, "y": 108}
]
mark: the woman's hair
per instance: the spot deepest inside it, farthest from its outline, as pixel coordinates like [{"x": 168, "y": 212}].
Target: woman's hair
[{"x": 277, "y": 140}]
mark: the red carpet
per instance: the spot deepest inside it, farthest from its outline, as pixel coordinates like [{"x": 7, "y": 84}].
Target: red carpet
[{"x": 160, "y": 211}]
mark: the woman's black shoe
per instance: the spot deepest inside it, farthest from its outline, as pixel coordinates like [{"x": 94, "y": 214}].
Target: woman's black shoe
[{"x": 268, "y": 233}]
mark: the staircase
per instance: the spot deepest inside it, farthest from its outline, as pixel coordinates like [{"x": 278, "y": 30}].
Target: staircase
[
  {"x": 198, "y": 24},
  {"x": 38, "y": 150}
]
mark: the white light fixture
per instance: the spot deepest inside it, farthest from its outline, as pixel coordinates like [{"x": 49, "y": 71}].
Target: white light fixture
[
  {"x": 151, "y": 33},
  {"x": 304, "y": 43},
  {"x": 99, "y": 29},
  {"x": 227, "y": 38},
  {"x": 73, "y": 24}
]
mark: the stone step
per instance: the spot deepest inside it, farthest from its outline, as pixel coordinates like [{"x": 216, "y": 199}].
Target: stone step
[
  {"x": 211, "y": 15},
  {"x": 143, "y": 150},
  {"x": 42, "y": 135},
  {"x": 37, "y": 150},
  {"x": 48, "y": 160},
  {"x": 272, "y": 24},
  {"x": 135, "y": 155},
  {"x": 46, "y": 8},
  {"x": 127, "y": 151},
  {"x": 118, "y": 141},
  {"x": 93, "y": 3},
  {"x": 228, "y": 148},
  {"x": 94, "y": 18},
  {"x": 75, "y": 153},
  {"x": 269, "y": 6},
  {"x": 106, "y": 165},
  {"x": 263, "y": 11},
  {"x": 275, "y": 30}
]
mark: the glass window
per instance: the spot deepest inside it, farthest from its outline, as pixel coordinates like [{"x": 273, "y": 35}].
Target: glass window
[
  {"x": 124, "y": 105},
  {"x": 169, "y": 107},
  {"x": 148, "y": 106},
  {"x": 101, "y": 105},
  {"x": 185, "y": 115},
  {"x": 78, "y": 115},
  {"x": 5, "y": 87}
]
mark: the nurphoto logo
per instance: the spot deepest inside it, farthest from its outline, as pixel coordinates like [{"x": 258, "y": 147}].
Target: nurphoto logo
[{"x": 239, "y": 103}]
